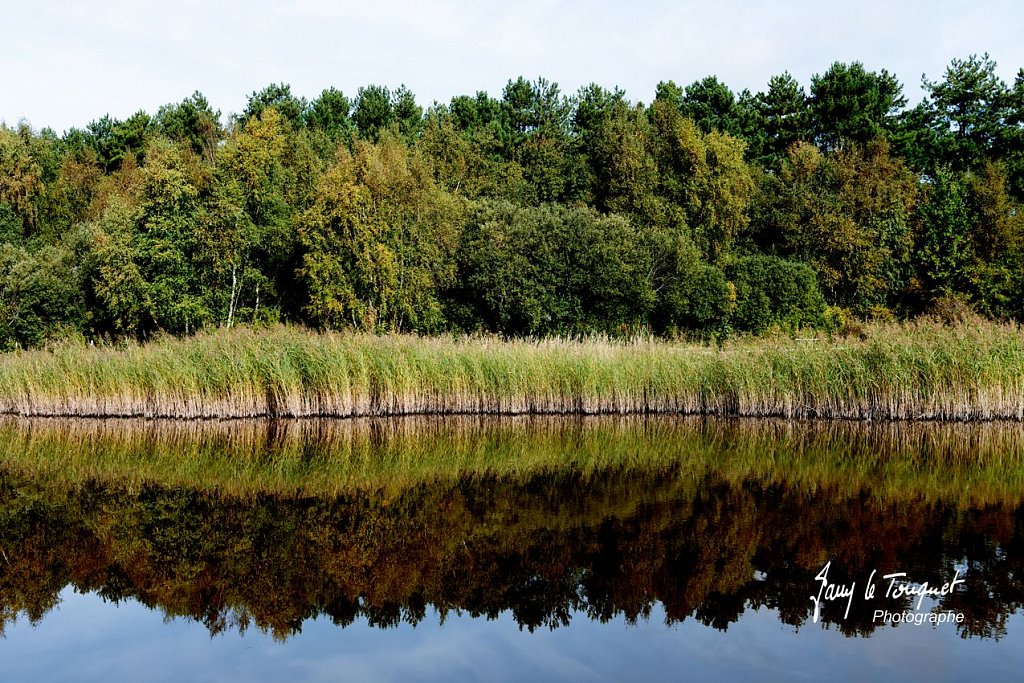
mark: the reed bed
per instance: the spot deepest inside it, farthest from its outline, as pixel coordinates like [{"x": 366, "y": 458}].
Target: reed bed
[
  {"x": 915, "y": 371},
  {"x": 960, "y": 463}
]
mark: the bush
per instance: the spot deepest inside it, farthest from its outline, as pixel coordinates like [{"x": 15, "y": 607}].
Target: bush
[
  {"x": 551, "y": 270},
  {"x": 40, "y": 296},
  {"x": 700, "y": 299},
  {"x": 772, "y": 292}
]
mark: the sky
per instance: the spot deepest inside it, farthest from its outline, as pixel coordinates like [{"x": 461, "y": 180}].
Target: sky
[{"x": 67, "y": 63}]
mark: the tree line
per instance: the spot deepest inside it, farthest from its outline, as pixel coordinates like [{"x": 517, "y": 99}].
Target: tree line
[{"x": 705, "y": 212}]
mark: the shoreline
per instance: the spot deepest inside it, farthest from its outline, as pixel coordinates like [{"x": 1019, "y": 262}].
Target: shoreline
[{"x": 795, "y": 416}]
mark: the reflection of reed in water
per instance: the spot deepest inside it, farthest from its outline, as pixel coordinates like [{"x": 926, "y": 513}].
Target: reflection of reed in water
[{"x": 966, "y": 462}]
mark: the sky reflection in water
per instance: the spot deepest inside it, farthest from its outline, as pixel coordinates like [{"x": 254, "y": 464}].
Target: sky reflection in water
[{"x": 86, "y": 639}]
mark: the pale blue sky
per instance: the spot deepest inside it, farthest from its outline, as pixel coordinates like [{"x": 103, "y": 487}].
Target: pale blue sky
[{"x": 67, "y": 63}]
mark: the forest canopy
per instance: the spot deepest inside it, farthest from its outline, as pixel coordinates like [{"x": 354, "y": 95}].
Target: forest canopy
[{"x": 704, "y": 212}]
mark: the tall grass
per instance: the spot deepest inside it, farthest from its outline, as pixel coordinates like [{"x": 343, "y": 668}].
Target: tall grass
[{"x": 910, "y": 371}]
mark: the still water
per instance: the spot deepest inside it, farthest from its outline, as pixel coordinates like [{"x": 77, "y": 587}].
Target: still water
[{"x": 510, "y": 549}]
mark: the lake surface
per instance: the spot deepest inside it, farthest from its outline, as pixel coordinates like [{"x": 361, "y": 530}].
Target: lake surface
[{"x": 509, "y": 549}]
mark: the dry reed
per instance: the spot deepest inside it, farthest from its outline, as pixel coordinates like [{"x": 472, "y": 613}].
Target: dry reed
[{"x": 911, "y": 371}]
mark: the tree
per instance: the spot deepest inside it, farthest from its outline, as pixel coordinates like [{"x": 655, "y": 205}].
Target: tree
[
  {"x": 40, "y": 295},
  {"x": 21, "y": 178},
  {"x": 615, "y": 140},
  {"x": 408, "y": 115},
  {"x": 535, "y": 130},
  {"x": 269, "y": 171},
  {"x": 254, "y": 157},
  {"x": 228, "y": 240},
  {"x": 279, "y": 96},
  {"x": 704, "y": 178},
  {"x": 967, "y": 112},
  {"x": 115, "y": 282},
  {"x": 194, "y": 122},
  {"x": 472, "y": 113},
  {"x": 850, "y": 103},
  {"x": 771, "y": 292},
  {"x": 944, "y": 248},
  {"x": 1013, "y": 141},
  {"x": 374, "y": 111},
  {"x": 459, "y": 158},
  {"x": 379, "y": 242},
  {"x": 330, "y": 113},
  {"x": 848, "y": 214},
  {"x": 712, "y": 106},
  {"x": 970, "y": 239},
  {"x": 377, "y": 109},
  {"x": 998, "y": 241},
  {"x": 166, "y": 238},
  {"x": 115, "y": 141},
  {"x": 783, "y": 118},
  {"x": 692, "y": 295}
]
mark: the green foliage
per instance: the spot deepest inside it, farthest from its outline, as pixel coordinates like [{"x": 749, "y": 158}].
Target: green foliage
[
  {"x": 616, "y": 140},
  {"x": 998, "y": 241},
  {"x": 21, "y": 178},
  {"x": 534, "y": 135},
  {"x": 378, "y": 242},
  {"x": 692, "y": 295},
  {"x": 850, "y": 103},
  {"x": 709, "y": 103},
  {"x": 279, "y": 96},
  {"x": 771, "y": 292},
  {"x": 783, "y": 120},
  {"x": 706, "y": 180},
  {"x": 194, "y": 122},
  {"x": 378, "y": 109},
  {"x": 11, "y": 230},
  {"x": 586, "y": 212},
  {"x": 330, "y": 114},
  {"x": 970, "y": 241},
  {"x": 944, "y": 249},
  {"x": 116, "y": 279},
  {"x": 552, "y": 269},
  {"x": 848, "y": 214},
  {"x": 40, "y": 295},
  {"x": 266, "y": 176},
  {"x": 966, "y": 111},
  {"x": 408, "y": 115},
  {"x": 116, "y": 141}
]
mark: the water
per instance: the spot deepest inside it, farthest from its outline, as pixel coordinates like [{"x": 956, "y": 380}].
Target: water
[
  {"x": 94, "y": 641},
  {"x": 691, "y": 554}
]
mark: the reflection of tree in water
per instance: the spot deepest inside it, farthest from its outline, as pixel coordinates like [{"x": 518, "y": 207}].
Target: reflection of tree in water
[{"x": 605, "y": 544}]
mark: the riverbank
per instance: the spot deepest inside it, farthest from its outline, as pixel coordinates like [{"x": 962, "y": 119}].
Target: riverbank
[{"x": 910, "y": 372}]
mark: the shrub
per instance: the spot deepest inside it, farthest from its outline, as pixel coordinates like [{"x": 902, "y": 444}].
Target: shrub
[
  {"x": 774, "y": 292},
  {"x": 700, "y": 299},
  {"x": 551, "y": 269},
  {"x": 40, "y": 296}
]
